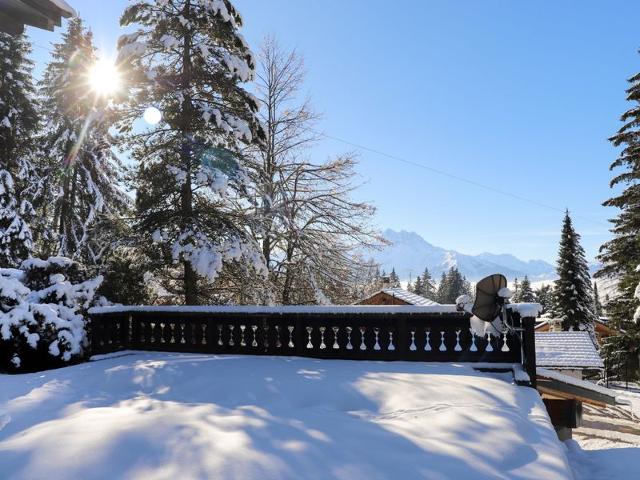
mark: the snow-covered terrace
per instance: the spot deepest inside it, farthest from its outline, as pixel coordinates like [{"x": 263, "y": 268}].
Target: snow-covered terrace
[{"x": 164, "y": 416}]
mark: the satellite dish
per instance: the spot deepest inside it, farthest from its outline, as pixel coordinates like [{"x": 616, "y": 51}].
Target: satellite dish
[{"x": 488, "y": 303}]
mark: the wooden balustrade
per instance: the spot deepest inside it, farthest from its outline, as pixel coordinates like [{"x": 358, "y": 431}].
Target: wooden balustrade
[{"x": 432, "y": 337}]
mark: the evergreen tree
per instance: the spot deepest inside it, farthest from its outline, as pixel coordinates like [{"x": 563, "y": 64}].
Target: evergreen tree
[
  {"x": 83, "y": 197},
  {"x": 620, "y": 256},
  {"x": 442, "y": 293},
  {"x": 573, "y": 295},
  {"x": 428, "y": 287},
  {"x": 418, "y": 288},
  {"x": 452, "y": 285},
  {"x": 188, "y": 60},
  {"x": 526, "y": 294},
  {"x": 394, "y": 280},
  {"x": 515, "y": 298},
  {"x": 544, "y": 296},
  {"x": 18, "y": 122},
  {"x": 597, "y": 305}
]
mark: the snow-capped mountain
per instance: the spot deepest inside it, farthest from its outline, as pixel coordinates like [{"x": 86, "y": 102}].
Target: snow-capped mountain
[{"x": 409, "y": 254}]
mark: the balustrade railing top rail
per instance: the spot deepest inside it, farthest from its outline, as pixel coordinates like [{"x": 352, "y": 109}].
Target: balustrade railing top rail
[{"x": 437, "y": 334}]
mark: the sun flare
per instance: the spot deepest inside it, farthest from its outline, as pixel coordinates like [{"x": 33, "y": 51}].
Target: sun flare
[{"x": 104, "y": 78}]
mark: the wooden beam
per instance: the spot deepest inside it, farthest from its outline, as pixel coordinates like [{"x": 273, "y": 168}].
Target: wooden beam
[
  {"x": 10, "y": 25},
  {"x": 26, "y": 14},
  {"x": 569, "y": 396}
]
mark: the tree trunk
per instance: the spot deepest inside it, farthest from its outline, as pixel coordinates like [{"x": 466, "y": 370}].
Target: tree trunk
[{"x": 186, "y": 194}]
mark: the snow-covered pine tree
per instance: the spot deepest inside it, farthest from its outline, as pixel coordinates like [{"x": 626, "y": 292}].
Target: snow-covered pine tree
[
  {"x": 394, "y": 280},
  {"x": 597, "y": 304},
  {"x": 83, "y": 175},
  {"x": 418, "y": 288},
  {"x": 515, "y": 298},
  {"x": 544, "y": 296},
  {"x": 573, "y": 294},
  {"x": 442, "y": 294},
  {"x": 43, "y": 307},
  {"x": 526, "y": 294},
  {"x": 18, "y": 123},
  {"x": 620, "y": 256},
  {"x": 428, "y": 287},
  {"x": 187, "y": 61}
]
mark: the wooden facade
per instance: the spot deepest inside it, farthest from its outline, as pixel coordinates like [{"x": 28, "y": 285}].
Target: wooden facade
[
  {"x": 383, "y": 298},
  {"x": 601, "y": 328}
]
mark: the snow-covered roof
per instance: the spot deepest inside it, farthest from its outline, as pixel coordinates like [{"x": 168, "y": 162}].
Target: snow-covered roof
[
  {"x": 407, "y": 296},
  {"x": 567, "y": 350},
  {"x": 163, "y": 415}
]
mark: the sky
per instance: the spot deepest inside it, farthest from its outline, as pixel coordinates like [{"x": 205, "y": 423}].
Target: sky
[{"x": 505, "y": 106}]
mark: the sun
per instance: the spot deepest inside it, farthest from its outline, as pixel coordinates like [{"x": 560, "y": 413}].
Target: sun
[{"x": 104, "y": 78}]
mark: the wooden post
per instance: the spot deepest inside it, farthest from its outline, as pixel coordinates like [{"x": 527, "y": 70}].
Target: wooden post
[{"x": 529, "y": 348}]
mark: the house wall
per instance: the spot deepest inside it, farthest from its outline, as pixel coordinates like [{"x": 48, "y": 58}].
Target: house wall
[
  {"x": 575, "y": 373},
  {"x": 382, "y": 298}
]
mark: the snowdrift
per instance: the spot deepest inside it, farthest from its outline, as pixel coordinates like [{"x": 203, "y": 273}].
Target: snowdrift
[{"x": 165, "y": 416}]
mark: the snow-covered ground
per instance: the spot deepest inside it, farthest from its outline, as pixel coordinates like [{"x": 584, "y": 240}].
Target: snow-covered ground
[
  {"x": 607, "y": 446},
  {"x": 167, "y": 416}
]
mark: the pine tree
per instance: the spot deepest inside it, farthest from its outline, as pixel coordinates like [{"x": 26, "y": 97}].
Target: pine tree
[
  {"x": 188, "y": 60},
  {"x": 597, "y": 305},
  {"x": 515, "y": 298},
  {"x": 442, "y": 294},
  {"x": 526, "y": 294},
  {"x": 620, "y": 256},
  {"x": 418, "y": 288},
  {"x": 83, "y": 176},
  {"x": 544, "y": 296},
  {"x": 428, "y": 287},
  {"x": 394, "y": 280},
  {"x": 573, "y": 296},
  {"x": 18, "y": 122},
  {"x": 452, "y": 285}
]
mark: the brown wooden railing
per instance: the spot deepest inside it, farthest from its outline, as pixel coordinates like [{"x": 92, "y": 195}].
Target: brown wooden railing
[{"x": 372, "y": 335}]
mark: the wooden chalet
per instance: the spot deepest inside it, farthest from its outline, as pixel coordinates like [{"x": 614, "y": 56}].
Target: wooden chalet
[
  {"x": 44, "y": 14},
  {"x": 396, "y": 296},
  {"x": 602, "y": 328}
]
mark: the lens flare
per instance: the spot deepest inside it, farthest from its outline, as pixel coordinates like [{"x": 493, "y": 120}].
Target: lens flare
[
  {"x": 104, "y": 78},
  {"x": 152, "y": 116}
]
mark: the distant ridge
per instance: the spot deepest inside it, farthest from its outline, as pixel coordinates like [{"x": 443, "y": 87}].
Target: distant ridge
[{"x": 410, "y": 254}]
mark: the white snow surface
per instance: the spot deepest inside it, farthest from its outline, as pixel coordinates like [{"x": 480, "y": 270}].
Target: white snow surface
[
  {"x": 570, "y": 350},
  {"x": 526, "y": 309},
  {"x": 607, "y": 446},
  {"x": 166, "y": 416},
  {"x": 248, "y": 309}
]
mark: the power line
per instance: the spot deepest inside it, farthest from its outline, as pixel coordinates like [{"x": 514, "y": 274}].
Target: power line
[{"x": 453, "y": 176}]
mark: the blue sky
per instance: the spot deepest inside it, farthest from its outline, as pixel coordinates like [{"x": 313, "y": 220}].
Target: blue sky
[{"x": 517, "y": 96}]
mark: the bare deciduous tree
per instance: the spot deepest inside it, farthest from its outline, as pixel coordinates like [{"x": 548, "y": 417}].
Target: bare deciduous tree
[{"x": 309, "y": 227}]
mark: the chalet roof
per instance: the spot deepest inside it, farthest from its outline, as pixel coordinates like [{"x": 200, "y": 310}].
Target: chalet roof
[
  {"x": 567, "y": 350},
  {"x": 407, "y": 296},
  {"x": 45, "y": 14}
]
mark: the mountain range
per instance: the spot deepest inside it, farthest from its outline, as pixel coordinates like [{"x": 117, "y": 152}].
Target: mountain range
[{"x": 409, "y": 254}]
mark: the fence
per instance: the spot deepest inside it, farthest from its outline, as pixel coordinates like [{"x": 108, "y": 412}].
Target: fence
[{"x": 366, "y": 333}]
